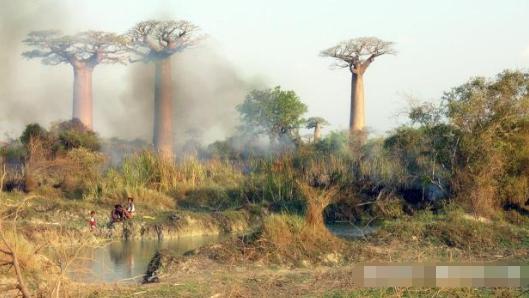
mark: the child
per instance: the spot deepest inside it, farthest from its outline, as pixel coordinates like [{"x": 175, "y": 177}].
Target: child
[{"x": 92, "y": 222}]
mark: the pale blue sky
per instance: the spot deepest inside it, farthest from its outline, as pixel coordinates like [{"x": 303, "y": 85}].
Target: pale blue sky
[{"x": 440, "y": 43}]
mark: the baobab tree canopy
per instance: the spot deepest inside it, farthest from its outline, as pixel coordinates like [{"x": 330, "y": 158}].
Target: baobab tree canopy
[
  {"x": 90, "y": 47},
  {"x": 359, "y": 52},
  {"x": 153, "y": 40}
]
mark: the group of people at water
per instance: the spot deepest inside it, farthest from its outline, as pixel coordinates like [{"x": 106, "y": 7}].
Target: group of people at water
[{"x": 118, "y": 214}]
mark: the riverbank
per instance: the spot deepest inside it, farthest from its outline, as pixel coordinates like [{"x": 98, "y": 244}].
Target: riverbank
[
  {"x": 228, "y": 270},
  {"x": 233, "y": 269},
  {"x": 40, "y": 213},
  {"x": 285, "y": 256}
]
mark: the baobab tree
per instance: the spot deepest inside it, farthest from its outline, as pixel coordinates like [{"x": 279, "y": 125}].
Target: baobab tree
[
  {"x": 357, "y": 54},
  {"x": 158, "y": 41},
  {"x": 317, "y": 123},
  {"x": 83, "y": 51}
]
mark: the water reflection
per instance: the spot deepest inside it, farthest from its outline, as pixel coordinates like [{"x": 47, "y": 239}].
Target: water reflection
[{"x": 126, "y": 261}]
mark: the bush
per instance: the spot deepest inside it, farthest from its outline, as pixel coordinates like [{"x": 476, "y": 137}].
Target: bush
[
  {"x": 73, "y": 134},
  {"x": 33, "y": 131},
  {"x": 335, "y": 143},
  {"x": 13, "y": 152}
]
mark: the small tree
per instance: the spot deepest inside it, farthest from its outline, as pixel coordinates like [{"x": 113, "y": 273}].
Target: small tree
[
  {"x": 83, "y": 51},
  {"x": 357, "y": 54},
  {"x": 274, "y": 112},
  {"x": 31, "y": 132},
  {"x": 157, "y": 41},
  {"x": 316, "y": 123}
]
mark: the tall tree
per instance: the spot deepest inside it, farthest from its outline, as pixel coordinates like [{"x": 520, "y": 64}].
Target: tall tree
[
  {"x": 157, "y": 41},
  {"x": 83, "y": 51},
  {"x": 357, "y": 54},
  {"x": 274, "y": 112},
  {"x": 317, "y": 123}
]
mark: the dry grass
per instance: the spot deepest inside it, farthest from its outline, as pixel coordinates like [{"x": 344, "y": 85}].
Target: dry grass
[
  {"x": 145, "y": 196},
  {"x": 287, "y": 238}
]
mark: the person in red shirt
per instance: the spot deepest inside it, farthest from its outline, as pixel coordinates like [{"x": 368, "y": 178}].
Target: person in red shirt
[{"x": 92, "y": 222}]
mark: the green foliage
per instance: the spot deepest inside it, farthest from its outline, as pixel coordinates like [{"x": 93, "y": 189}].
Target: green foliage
[
  {"x": 141, "y": 170},
  {"x": 274, "y": 112},
  {"x": 474, "y": 144},
  {"x": 275, "y": 189},
  {"x": 73, "y": 134},
  {"x": 377, "y": 165},
  {"x": 61, "y": 138},
  {"x": 493, "y": 119},
  {"x": 425, "y": 153},
  {"x": 336, "y": 142},
  {"x": 13, "y": 152},
  {"x": 33, "y": 131}
]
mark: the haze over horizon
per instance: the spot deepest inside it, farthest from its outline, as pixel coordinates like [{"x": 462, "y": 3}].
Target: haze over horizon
[{"x": 261, "y": 44}]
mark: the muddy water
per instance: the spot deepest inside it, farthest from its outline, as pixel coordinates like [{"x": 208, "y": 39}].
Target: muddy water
[
  {"x": 351, "y": 231},
  {"x": 126, "y": 261}
]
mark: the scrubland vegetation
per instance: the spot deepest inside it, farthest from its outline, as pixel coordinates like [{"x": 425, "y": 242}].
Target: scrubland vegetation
[{"x": 452, "y": 185}]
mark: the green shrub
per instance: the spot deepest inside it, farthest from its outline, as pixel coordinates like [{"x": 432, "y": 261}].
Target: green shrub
[
  {"x": 73, "y": 134},
  {"x": 33, "y": 131},
  {"x": 13, "y": 152}
]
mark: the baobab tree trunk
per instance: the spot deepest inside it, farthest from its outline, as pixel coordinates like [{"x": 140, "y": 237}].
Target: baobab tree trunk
[
  {"x": 163, "y": 108},
  {"x": 317, "y": 132},
  {"x": 82, "y": 94},
  {"x": 356, "y": 123}
]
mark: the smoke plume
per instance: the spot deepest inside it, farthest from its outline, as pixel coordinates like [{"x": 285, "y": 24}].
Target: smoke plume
[
  {"x": 24, "y": 95},
  {"x": 207, "y": 87},
  {"x": 206, "y": 90}
]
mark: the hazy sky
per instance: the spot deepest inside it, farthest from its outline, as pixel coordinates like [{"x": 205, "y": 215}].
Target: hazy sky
[{"x": 440, "y": 44}]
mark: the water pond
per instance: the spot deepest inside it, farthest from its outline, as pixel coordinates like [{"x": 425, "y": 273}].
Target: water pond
[{"x": 127, "y": 261}]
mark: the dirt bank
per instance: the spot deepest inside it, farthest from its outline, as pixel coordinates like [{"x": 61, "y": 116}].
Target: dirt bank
[{"x": 183, "y": 224}]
